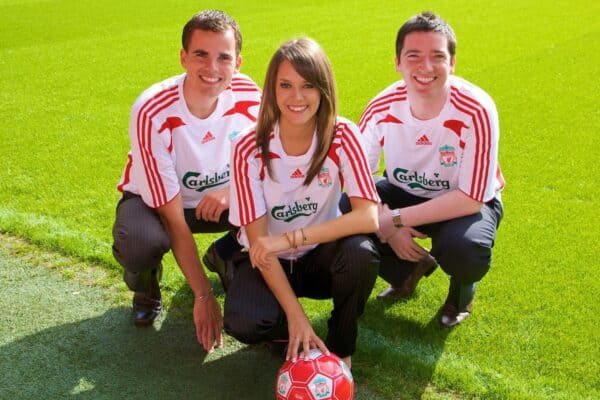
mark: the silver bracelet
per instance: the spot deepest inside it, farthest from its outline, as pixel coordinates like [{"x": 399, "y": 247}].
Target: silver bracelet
[{"x": 203, "y": 298}]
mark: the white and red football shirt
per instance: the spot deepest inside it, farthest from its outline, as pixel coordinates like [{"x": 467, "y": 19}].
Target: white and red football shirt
[
  {"x": 174, "y": 151},
  {"x": 456, "y": 150},
  {"x": 289, "y": 204}
]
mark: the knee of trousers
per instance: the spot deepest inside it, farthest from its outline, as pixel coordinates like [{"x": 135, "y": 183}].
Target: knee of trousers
[
  {"x": 466, "y": 261},
  {"x": 136, "y": 281},
  {"x": 250, "y": 327},
  {"x": 361, "y": 257},
  {"x": 138, "y": 250}
]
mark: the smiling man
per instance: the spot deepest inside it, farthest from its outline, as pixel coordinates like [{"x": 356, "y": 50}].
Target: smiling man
[
  {"x": 176, "y": 181},
  {"x": 439, "y": 135}
]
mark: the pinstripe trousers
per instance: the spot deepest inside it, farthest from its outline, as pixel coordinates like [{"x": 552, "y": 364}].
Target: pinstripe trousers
[{"x": 343, "y": 270}]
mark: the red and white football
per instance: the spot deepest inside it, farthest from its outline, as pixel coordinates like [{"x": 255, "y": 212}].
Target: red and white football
[{"x": 320, "y": 377}]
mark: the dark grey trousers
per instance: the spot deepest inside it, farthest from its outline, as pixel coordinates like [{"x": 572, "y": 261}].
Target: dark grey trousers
[
  {"x": 344, "y": 270},
  {"x": 140, "y": 239},
  {"x": 461, "y": 246}
]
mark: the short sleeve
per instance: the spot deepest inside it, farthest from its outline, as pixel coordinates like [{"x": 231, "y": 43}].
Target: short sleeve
[
  {"x": 247, "y": 200},
  {"x": 358, "y": 181}
]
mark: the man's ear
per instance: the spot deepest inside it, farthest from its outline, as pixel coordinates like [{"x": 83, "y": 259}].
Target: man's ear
[
  {"x": 182, "y": 56},
  {"x": 452, "y": 64},
  {"x": 397, "y": 63},
  {"x": 238, "y": 63}
]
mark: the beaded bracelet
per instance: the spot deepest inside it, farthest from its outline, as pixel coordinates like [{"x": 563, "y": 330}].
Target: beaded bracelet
[
  {"x": 204, "y": 297},
  {"x": 293, "y": 246},
  {"x": 292, "y": 241}
]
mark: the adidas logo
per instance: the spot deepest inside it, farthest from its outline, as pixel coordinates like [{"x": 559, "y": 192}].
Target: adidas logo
[
  {"x": 423, "y": 141},
  {"x": 208, "y": 137},
  {"x": 297, "y": 174}
]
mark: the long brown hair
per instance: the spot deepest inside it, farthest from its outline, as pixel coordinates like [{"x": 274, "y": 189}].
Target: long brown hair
[{"x": 310, "y": 61}]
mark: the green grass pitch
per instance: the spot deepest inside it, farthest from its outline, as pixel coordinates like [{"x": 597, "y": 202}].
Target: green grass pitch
[{"x": 69, "y": 73}]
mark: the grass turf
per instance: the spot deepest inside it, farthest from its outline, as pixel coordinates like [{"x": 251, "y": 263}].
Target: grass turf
[
  {"x": 71, "y": 337},
  {"x": 70, "y": 71}
]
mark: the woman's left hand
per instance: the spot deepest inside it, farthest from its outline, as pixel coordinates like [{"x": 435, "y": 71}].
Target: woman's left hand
[{"x": 265, "y": 248}]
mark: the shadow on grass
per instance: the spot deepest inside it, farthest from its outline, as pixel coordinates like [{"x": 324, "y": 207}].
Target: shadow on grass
[
  {"x": 402, "y": 353},
  {"x": 71, "y": 341},
  {"x": 107, "y": 357}
]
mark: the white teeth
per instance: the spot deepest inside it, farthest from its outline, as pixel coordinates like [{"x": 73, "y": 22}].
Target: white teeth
[
  {"x": 210, "y": 80},
  {"x": 424, "y": 80},
  {"x": 297, "y": 108}
]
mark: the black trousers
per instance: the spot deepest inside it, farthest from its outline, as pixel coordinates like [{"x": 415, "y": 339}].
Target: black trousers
[
  {"x": 344, "y": 270},
  {"x": 140, "y": 239}
]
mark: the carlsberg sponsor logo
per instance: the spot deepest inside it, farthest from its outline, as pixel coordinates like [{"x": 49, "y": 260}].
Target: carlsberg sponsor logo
[
  {"x": 414, "y": 180},
  {"x": 198, "y": 182},
  {"x": 290, "y": 212}
]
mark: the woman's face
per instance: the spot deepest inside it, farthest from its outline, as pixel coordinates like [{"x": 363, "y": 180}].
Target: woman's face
[{"x": 298, "y": 100}]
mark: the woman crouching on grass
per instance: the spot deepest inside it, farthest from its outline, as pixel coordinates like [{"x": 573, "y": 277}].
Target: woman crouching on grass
[{"x": 287, "y": 175}]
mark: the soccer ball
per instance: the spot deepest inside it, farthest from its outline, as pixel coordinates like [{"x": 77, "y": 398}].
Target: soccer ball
[{"x": 319, "y": 377}]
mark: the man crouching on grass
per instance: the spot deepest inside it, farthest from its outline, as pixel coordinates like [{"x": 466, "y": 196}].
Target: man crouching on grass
[
  {"x": 439, "y": 134},
  {"x": 176, "y": 181}
]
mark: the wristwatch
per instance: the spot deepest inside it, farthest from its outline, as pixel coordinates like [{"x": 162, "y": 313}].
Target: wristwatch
[{"x": 397, "y": 218}]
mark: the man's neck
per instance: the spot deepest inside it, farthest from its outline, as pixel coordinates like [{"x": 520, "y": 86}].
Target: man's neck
[
  {"x": 427, "y": 107},
  {"x": 198, "y": 104}
]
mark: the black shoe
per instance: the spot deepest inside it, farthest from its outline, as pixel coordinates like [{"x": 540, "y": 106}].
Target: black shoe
[
  {"x": 277, "y": 347},
  {"x": 451, "y": 316},
  {"x": 425, "y": 266},
  {"x": 390, "y": 292},
  {"x": 216, "y": 264},
  {"x": 145, "y": 309}
]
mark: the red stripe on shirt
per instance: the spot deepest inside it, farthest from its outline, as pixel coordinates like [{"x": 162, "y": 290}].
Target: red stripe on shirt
[
  {"x": 243, "y": 85},
  {"x": 161, "y": 186},
  {"x": 377, "y": 101},
  {"x": 144, "y": 134},
  {"x": 160, "y": 197},
  {"x": 358, "y": 161},
  {"x": 127, "y": 174},
  {"x": 146, "y": 150},
  {"x": 483, "y": 139},
  {"x": 240, "y": 90},
  {"x": 242, "y": 153},
  {"x": 500, "y": 177},
  {"x": 365, "y": 119},
  {"x": 380, "y": 104}
]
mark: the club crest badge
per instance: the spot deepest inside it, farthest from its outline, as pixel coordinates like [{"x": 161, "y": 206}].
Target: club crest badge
[
  {"x": 321, "y": 387},
  {"x": 324, "y": 178},
  {"x": 447, "y": 156}
]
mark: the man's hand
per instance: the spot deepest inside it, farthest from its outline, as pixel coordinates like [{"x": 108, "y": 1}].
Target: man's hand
[
  {"x": 213, "y": 204},
  {"x": 404, "y": 245},
  {"x": 208, "y": 321},
  {"x": 207, "y": 313}
]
